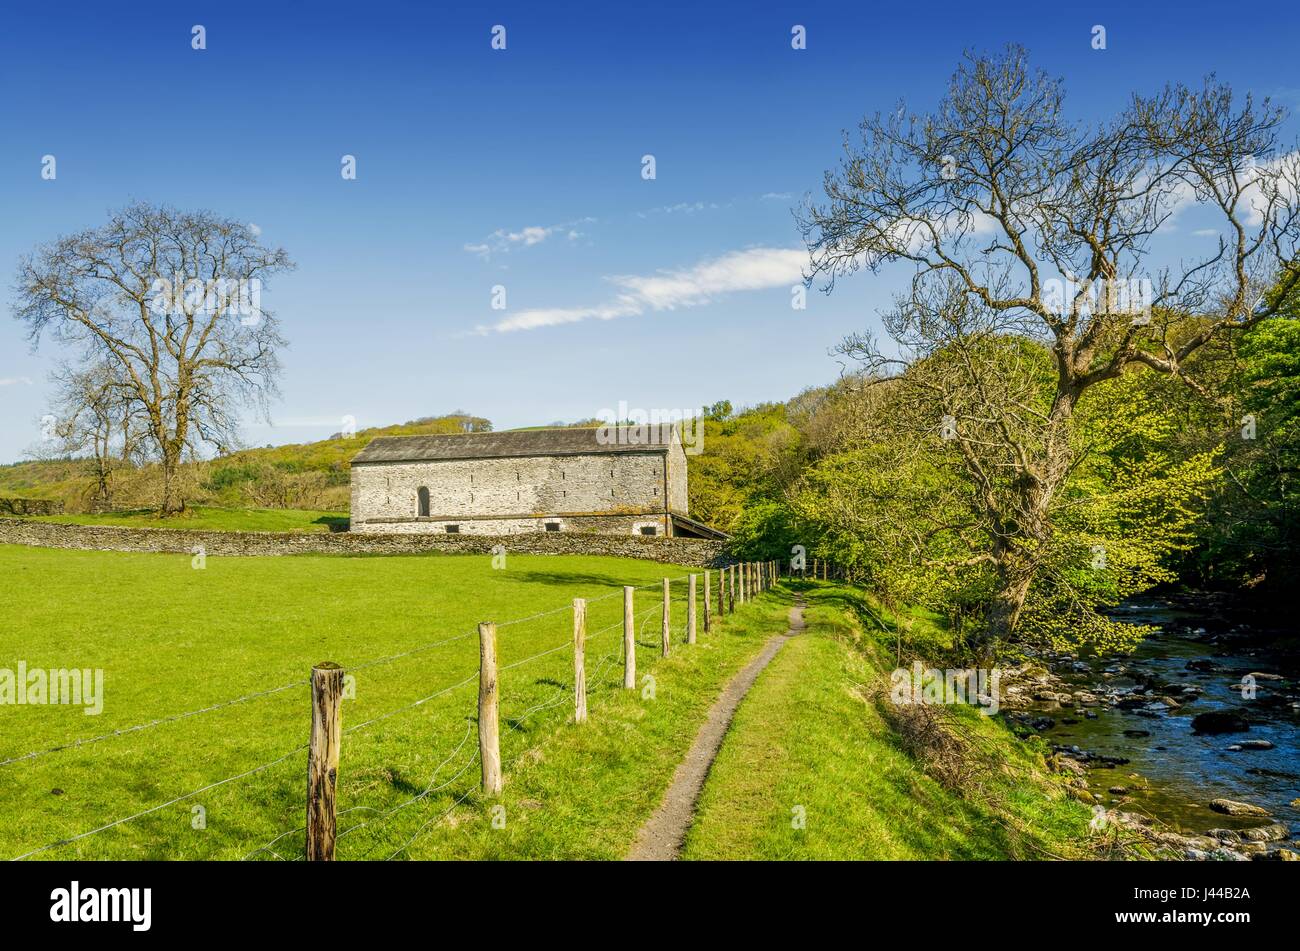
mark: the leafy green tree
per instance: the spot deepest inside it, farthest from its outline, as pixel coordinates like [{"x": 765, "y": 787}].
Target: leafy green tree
[{"x": 1019, "y": 222}]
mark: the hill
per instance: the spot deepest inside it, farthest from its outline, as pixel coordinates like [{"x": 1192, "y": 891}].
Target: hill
[{"x": 310, "y": 475}]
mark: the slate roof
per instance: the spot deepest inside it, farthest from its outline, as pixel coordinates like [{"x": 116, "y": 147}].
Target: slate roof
[{"x": 525, "y": 442}]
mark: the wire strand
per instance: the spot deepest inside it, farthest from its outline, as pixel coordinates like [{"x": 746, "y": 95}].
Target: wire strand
[{"x": 170, "y": 802}]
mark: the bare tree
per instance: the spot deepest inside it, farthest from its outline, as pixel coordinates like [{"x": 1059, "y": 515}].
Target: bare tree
[
  {"x": 171, "y": 301},
  {"x": 1019, "y": 222},
  {"x": 99, "y": 419}
]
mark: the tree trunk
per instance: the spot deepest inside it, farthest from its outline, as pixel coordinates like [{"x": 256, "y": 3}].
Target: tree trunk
[
  {"x": 1015, "y": 574},
  {"x": 173, "y": 501}
]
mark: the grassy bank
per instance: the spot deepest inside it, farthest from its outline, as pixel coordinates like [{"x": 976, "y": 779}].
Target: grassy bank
[
  {"x": 171, "y": 639},
  {"x": 812, "y": 742}
]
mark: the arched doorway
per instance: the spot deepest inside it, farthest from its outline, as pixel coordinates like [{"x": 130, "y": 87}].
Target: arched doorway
[{"x": 423, "y": 496}]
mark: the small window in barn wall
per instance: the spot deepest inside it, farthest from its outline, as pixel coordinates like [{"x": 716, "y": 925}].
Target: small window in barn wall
[
  {"x": 422, "y": 497},
  {"x": 649, "y": 530},
  {"x": 452, "y": 529},
  {"x": 552, "y": 526}
]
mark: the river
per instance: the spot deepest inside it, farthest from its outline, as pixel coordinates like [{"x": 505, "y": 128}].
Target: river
[{"x": 1203, "y": 649}]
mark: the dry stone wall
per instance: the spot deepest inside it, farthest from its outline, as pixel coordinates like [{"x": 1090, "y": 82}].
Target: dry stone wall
[
  {"x": 680, "y": 551},
  {"x": 30, "y": 507}
]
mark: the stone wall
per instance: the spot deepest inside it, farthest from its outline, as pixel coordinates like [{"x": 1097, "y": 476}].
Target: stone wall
[
  {"x": 680, "y": 551},
  {"x": 510, "y": 488},
  {"x": 30, "y": 507},
  {"x": 630, "y": 524},
  {"x": 678, "y": 498}
]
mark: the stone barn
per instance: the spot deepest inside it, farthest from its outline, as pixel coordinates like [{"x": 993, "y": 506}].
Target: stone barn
[{"x": 607, "y": 480}]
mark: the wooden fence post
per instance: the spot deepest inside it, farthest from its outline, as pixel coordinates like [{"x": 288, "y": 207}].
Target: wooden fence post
[
  {"x": 629, "y": 639},
  {"x": 579, "y": 660},
  {"x": 731, "y": 589},
  {"x": 690, "y": 613},
  {"x": 667, "y": 630},
  {"x": 323, "y": 760},
  {"x": 708, "y": 611},
  {"x": 489, "y": 728},
  {"x": 743, "y": 593}
]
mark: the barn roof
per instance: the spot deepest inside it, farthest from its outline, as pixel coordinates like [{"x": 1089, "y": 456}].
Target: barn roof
[{"x": 523, "y": 442}]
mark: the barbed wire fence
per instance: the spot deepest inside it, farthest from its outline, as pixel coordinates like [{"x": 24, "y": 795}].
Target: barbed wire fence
[{"x": 742, "y": 581}]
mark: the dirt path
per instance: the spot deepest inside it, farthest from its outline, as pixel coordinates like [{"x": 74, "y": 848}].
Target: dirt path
[{"x": 661, "y": 838}]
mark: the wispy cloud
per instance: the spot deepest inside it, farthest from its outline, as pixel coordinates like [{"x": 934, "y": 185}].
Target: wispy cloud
[
  {"x": 752, "y": 269},
  {"x": 683, "y": 208},
  {"x": 15, "y": 380},
  {"x": 502, "y": 241}
]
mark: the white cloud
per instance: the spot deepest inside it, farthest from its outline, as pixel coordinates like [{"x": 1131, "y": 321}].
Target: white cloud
[
  {"x": 1253, "y": 202},
  {"x": 1205, "y": 232},
  {"x": 15, "y": 380},
  {"x": 683, "y": 208},
  {"x": 753, "y": 269},
  {"x": 502, "y": 241}
]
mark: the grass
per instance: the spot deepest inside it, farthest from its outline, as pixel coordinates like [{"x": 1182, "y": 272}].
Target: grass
[
  {"x": 211, "y": 518},
  {"x": 172, "y": 639},
  {"x": 811, "y": 741}
]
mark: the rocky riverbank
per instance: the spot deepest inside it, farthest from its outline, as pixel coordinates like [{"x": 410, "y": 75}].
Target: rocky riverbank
[{"x": 1189, "y": 744}]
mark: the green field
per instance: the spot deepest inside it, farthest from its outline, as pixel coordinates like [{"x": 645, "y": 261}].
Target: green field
[
  {"x": 173, "y": 639},
  {"x": 228, "y": 782},
  {"x": 809, "y": 744},
  {"x": 212, "y": 518}
]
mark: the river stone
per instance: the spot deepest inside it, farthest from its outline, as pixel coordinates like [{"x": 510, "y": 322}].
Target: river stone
[
  {"x": 1219, "y": 721},
  {"x": 1255, "y": 745},
  {"x": 1233, "y": 808},
  {"x": 1276, "y": 832}
]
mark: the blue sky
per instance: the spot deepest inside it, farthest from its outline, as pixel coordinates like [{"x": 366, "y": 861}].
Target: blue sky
[{"x": 522, "y": 168}]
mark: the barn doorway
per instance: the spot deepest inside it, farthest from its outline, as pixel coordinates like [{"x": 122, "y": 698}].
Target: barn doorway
[{"x": 423, "y": 500}]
